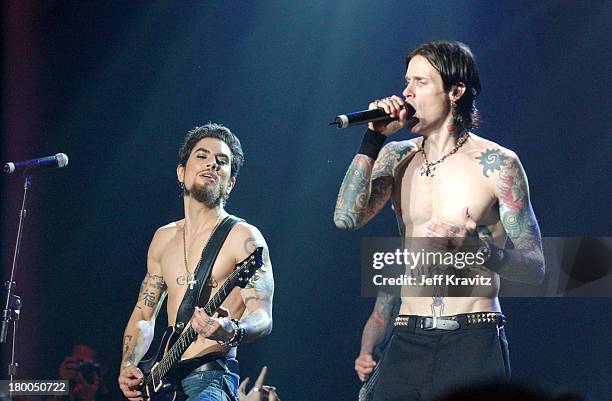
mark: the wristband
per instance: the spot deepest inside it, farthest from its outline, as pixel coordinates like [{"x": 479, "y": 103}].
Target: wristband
[
  {"x": 494, "y": 256},
  {"x": 371, "y": 143},
  {"x": 238, "y": 337}
]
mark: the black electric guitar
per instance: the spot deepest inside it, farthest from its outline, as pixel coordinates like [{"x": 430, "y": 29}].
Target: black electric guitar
[{"x": 158, "y": 384}]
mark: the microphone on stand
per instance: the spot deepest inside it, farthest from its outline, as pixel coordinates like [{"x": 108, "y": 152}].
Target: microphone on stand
[
  {"x": 60, "y": 160},
  {"x": 366, "y": 116}
]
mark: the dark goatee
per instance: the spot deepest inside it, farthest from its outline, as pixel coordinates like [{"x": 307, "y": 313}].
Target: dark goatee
[{"x": 210, "y": 195}]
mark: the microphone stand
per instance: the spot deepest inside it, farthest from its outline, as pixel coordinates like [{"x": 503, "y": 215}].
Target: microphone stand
[{"x": 12, "y": 307}]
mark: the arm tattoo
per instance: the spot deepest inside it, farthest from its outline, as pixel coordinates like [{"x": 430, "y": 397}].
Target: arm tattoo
[
  {"x": 354, "y": 193},
  {"x": 367, "y": 186},
  {"x": 133, "y": 351},
  {"x": 250, "y": 244},
  {"x": 264, "y": 298},
  {"x": 525, "y": 263},
  {"x": 126, "y": 344},
  {"x": 257, "y": 320},
  {"x": 149, "y": 299},
  {"x": 388, "y": 160},
  {"x": 379, "y": 323},
  {"x": 515, "y": 209},
  {"x": 262, "y": 282},
  {"x": 140, "y": 329},
  {"x": 151, "y": 289},
  {"x": 129, "y": 350},
  {"x": 385, "y": 307}
]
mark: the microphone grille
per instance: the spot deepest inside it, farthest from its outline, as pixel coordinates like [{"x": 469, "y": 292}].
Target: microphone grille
[{"x": 62, "y": 160}]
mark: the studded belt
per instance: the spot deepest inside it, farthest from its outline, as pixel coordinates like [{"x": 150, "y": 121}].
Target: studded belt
[{"x": 451, "y": 322}]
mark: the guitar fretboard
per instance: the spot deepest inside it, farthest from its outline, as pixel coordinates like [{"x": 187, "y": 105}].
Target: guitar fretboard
[{"x": 189, "y": 335}]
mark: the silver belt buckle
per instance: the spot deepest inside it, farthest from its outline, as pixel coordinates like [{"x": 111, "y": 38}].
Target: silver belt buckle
[{"x": 429, "y": 323}]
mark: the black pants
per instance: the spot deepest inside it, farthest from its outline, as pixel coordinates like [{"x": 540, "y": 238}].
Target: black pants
[{"x": 420, "y": 365}]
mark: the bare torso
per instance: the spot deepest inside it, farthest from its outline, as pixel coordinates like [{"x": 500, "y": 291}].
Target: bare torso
[
  {"x": 458, "y": 182},
  {"x": 172, "y": 261}
]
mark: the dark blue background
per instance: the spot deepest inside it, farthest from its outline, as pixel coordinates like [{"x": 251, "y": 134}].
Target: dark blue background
[{"x": 117, "y": 85}]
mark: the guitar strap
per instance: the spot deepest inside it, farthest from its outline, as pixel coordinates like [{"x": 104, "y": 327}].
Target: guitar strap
[{"x": 203, "y": 269}]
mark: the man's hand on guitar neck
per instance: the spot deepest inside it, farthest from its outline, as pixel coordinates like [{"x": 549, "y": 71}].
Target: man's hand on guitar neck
[
  {"x": 130, "y": 379},
  {"x": 214, "y": 328},
  {"x": 364, "y": 365}
]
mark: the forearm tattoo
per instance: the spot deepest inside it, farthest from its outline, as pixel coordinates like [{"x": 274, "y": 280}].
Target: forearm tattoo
[
  {"x": 133, "y": 349},
  {"x": 354, "y": 193},
  {"x": 378, "y": 324}
]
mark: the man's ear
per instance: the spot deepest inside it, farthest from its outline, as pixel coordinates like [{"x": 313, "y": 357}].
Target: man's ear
[
  {"x": 231, "y": 184},
  {"x": 457, "y": 91},
  {"x": 180, "y": 173}
]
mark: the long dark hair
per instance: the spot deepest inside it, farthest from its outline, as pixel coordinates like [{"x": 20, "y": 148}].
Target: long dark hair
[{"x": 455, "y": 63}]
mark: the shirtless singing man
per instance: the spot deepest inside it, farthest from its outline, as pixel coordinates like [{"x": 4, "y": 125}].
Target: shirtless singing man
[
  {"x": 448, "y": 184},
  {"x": 209, "y": 161}
]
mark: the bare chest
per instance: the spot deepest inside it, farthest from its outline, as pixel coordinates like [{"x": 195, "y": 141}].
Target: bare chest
[
  {"x": 179, "y": 263},
  {"x": 456, "y": 183}
]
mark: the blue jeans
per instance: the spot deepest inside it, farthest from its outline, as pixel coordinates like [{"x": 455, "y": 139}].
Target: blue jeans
[{"x": 213, "y": 385}]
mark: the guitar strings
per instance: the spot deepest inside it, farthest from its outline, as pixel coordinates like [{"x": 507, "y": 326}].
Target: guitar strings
[{"x": 187, "y": 337}]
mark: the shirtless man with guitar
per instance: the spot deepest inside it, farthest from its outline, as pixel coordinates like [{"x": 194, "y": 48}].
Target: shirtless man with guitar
[
  {"x": 210, "y": 159},
  {"x": 457, "y": 190}
]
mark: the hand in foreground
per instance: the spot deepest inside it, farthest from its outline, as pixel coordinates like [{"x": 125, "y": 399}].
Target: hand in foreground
[
  {"x": 449, "y": 237},
  {"x": 364, "y": 365},
  {"x": 259, "y": 391},
  {"x": 130, "y": 379}
]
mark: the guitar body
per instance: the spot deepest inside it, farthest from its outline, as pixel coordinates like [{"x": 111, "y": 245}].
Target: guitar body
[
  {"x": 154, "y": 389},
  {"x": 158, "y": 381}
]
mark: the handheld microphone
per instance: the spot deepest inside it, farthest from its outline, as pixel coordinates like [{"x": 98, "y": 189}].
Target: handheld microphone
[
  {"x": 366, "y": 116},
  {"x": 60, "y": 160}
]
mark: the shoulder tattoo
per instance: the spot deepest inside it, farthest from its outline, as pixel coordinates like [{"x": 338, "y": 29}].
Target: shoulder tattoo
[{"x": 491, "y": 160}]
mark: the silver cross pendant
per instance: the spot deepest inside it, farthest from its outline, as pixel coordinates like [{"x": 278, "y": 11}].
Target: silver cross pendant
[
  {"x": 192, "y": 281},
  {"x": 427, "y": 170}
]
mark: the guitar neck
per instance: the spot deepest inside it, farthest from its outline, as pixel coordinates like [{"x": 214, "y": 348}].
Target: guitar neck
[
  {"x": 366, "y": 391},
  {"x": 220, "y": 296},
  {"x": 189, "y": 335},
  {"x": 239, "y": 277}
]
